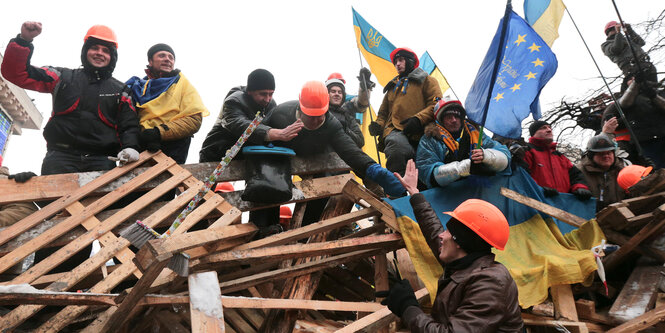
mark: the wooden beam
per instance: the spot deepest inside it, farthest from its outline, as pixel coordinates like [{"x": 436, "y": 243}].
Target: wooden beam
[
  {"x": 357, "y": 192},
  {"x": 564, "y": 303},
  {"x": 557, "y": 213},
  {"x": 638, "y": 294},
  {"x": 642, "y": 322},
  {"x": 185, "y": 241},
  {"x": 643, "y": 249},
  {"x": 205, "y": 303},
  {"x": 378, "y": 318},
  {"x": 572, "y": 326}
]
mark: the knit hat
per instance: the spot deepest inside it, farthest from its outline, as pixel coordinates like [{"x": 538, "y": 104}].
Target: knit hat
[
  {"x": 159, "y": 47},
  {"x": 466, "y": 238},
  {"x": 260, "y": 79},
  {"x": 536, "y": 126}
]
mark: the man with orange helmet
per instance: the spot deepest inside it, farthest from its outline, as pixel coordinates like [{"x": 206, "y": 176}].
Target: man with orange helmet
[
  {"x": 170, "y": 109},
  {"x": 345, "y": 111},
  {"x": 93, "y": 115},
  {"x": 322, "y": 132},
  {"x": 639, "y": 180},
  {"x": 405, "y": 110},
  {"x": 449, "y": 149},
  {"x": 475, "y": 293}
]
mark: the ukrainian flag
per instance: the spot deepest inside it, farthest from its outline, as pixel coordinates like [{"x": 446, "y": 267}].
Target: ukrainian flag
[
  {"x": 544, "y": 16},
  {"x": 427, "y": 64},
  {"x": 541, "y": 252},
  {"x": 375, "y": 48}
]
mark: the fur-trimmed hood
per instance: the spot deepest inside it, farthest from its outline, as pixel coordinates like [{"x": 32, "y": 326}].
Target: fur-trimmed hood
[{"x": 417, "y": 75}]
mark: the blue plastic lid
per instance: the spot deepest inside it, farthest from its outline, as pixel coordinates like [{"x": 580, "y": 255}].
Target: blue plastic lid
[{"x": 268, "y": 150}]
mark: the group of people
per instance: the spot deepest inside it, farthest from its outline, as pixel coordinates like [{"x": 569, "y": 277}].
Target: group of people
[{"x": 428, "y": 142}]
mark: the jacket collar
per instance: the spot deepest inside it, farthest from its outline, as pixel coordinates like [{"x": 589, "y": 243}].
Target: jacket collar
[
  {"x": 480, "y": 263},
  {"x": 540, "y": 144},
  {"x": 591, "y": 166},
  {"x": 417, "y": 75}
]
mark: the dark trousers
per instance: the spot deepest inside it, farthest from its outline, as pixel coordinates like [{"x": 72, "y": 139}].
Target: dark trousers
[{"x": 177, "y": 149}]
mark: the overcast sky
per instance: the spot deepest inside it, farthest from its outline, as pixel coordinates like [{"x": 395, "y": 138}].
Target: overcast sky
[{"x": 218, "y": 43}]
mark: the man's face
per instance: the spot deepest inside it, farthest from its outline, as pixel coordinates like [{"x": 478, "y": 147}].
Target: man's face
[
  {"x": 312, "y": 122},
  {"x": 604, "y": 159},
  {"x": 99, "y": 56},
  {"x": 336, "y": 95},
  {"x": 261, "y": 97},
  {"x": 544, "y": 133},
  {"x": 452, "y": 122},
  {"x": 162, "y": 62},
  {"x": 448, "y": 248},
  {"x": 400, "y": 65}
]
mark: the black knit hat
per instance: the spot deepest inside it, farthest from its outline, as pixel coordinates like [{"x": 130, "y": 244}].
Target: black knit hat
[
  {"x": 536, "y": 126},
  {"x": 466, "y": 238},
  {"x": 260, "y": 79},
  {"x": 159, "y": 47}
]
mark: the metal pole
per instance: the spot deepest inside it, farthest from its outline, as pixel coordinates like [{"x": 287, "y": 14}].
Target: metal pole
[{"x": 371, "y": 116}]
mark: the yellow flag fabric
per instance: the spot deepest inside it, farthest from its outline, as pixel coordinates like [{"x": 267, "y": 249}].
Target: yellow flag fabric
[
  {"x": 537, "y": 256},
  {"x": 370, "y": 144},
  {"x": 429, "y": 66},
  {"x": 544, "y": 16},
  {"x": 375, "y": 48}
]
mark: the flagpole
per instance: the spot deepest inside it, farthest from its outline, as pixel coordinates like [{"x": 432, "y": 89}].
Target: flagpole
[
  {"x": 369, "y": 109},
  {"x": 633, "y": 138},
  {"x": 495, "y": 70}
]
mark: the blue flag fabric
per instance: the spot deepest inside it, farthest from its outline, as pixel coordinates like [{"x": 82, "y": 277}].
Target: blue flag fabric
[
  {"x": 527, "y": 65},
  {"x": 375, "y": 48},
  {"x": 449, "y": 197},
  {"x": 145, "y": 90}
]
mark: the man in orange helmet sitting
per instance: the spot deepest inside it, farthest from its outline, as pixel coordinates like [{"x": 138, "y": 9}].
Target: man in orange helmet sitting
[
  {"x": 93, "y": 115},
  {"x": 475, "y": 293}
]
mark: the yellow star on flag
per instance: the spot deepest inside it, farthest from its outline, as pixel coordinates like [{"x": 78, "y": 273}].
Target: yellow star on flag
[
  {"x": 516, "y": 86},
  {"x": 520, "y": 39},
  {"x": 530, "y": 76},
  {"x": 534, "y": 47},
  {"x": 538, "y": 62},
  {"x": 498, "y": 97}
]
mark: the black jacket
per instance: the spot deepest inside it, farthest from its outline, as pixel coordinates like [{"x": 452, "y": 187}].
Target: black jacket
[
  {"x": 346, "y": 116},
  {"x": 92, "y": 111},
  {"x": 330, "y": 136},
  {"x": 238, "y": 111}
]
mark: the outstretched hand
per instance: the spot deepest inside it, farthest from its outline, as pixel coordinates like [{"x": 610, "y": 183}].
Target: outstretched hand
[
  {"x": 30, "y": 30},
  {"x": 285, "y": 134},
  {"x": 410, "y": 179}
]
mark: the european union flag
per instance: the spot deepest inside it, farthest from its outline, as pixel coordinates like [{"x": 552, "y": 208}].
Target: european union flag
[{"x": 527, "y": 64}]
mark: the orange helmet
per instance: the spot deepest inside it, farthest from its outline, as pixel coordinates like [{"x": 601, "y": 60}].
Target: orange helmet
[
  {"x": 610, "y": 25},
  {"x": 314, "y": 98},
  {"x": 102, "y": 32},
  {"x": 336, "y": 76},
  {"x": 631, "y": 175},
  {"x": 285, "y": 212},
  {"x": 405, "y": 49},
  {"x": 485, "y": 220},
  {"x": 224, "y": 187}
]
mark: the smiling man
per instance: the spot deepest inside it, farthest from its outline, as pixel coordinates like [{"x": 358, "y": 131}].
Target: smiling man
[
  {"x": 170, "y": 109},
  {"x": 345, "y": 110},
  {"x": 93, "y": 115},
  {"x": 475, "y": 293}
]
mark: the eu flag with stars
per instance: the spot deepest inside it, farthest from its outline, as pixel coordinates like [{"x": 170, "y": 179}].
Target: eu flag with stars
[{"x": 527, "y": 65}]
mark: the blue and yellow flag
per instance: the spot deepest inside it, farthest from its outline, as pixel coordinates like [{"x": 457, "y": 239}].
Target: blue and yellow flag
[
  {"x": 544, "y": 16},
  {"x": 375, "y": 48},
  {"x": 428, "y": 65},
  {"x": 370, "y": 141},
  {"x": 526, "y": 65}
]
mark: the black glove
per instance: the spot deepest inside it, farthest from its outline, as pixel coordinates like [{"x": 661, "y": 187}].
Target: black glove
[
  {"x": 550, "y": 192},
  {"x": 649, "y": 89},
  {"x": 399, "y": 297},
  {"x": 22, "y": 177},
  {"x": 412, "y": 126},
  {"x": 518, "y": 151},
  {"x": 375, "y": 129},
  {"x": 150, "y": 139},
  {"x": 582, "y": 194},
  {"x": 364, "y": 79}
]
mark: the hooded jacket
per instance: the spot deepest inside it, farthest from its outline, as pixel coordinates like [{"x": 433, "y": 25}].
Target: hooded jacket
[
  {"x": 92, "y": 112},
  {"x": 479, "y": 298},
  {"x": 603, "y": 184},
  {"x": 413, "y": 96},
  {"x": 238, "y": 111}
]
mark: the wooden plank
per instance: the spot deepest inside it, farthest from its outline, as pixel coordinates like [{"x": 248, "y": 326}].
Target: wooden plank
[
  {"x": 185, "y": 241},
  {"x": 564, "y": 303},
  {"x": 612, "y": 260},
  {"x": 283, "y": 252},
  {"x": 586, "y": 310},
  {"x": 238, "y": 322},
  {"x": 638, "y": 294},
  {"x": 557, "y": 213},
  {"x": 378, "y": 318},
  {"x": 67, "y": 199},
  {"x": 407, "y": 270},
  {"x": 381, "y": 279},
  {"x": 357, "y": 192},
  {"x": 621, "y": 239},
  {"x": 571, "y": 326},
  {"x": 205, "y": 302}
]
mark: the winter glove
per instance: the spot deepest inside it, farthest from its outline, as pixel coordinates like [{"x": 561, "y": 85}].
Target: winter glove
[
  {"x": 127, "y": 155},
  {"x": 582, "y": 194},
  {"x": 385, "y": 179},
  {"x": 364, "y": 79},
  {"x": 550, "y": 192},
  {"x": 150, "y": 139},
  {"x": 375, "y": 129},
  {"x": 22, "y": 177},
  {"x": 518, "y": 151},
  {"x": 412, "y": 126},
  {"x": 399, "y": 297}
]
